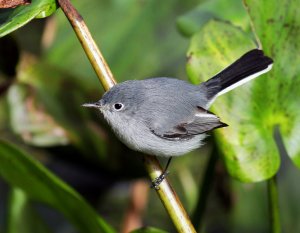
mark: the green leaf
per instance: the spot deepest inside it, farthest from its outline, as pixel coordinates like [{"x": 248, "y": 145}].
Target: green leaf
[
  {"x": 194, "y": 20},
  {"x": 276, "y": 24},
  {"x": 39, "y": 184},
  {"x": 250, "y": 152},
  {"x": 22, "y": 217},
  {"x": 14, "y": 18},
  {"x": 149, "y": 230}
]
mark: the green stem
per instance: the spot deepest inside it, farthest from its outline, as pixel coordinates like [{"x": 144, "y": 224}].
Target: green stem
[{"x": 273, "y": 205}]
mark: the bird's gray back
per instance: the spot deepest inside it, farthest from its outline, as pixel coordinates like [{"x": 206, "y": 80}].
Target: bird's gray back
[{"x": 166, "y": 102}]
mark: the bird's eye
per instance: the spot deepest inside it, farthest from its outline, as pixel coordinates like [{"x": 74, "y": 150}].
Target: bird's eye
[{"x": 118, "y": 106}]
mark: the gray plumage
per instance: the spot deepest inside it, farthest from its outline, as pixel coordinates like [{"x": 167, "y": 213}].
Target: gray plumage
[{"x": 169, "y": 117}]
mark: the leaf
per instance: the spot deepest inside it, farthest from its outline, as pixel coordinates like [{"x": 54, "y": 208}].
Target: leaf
[
  {"x": 149, "y": 230},
  {"x": 22, "y": 217},
  {"x": 250, "y": 152},
  {"x": 277, "y": 25},
  {"x": 12, "y": 19},
  {"x": 41, "y": 185},
  {"x": 194, "y": 20}
]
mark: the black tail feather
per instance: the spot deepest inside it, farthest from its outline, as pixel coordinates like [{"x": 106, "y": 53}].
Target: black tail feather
[{"x": 250, "y": 65}]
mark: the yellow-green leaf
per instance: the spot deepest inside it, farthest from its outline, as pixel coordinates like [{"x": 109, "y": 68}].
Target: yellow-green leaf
[
  {"x": 250, "y": 152},
  {"x": 277, "y": 25}
]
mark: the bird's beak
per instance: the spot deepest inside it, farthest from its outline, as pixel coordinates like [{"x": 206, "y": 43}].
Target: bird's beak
[{"x": 97, "y": 104}]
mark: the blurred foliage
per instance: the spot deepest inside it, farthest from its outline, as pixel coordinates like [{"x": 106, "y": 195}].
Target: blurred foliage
[
  {"x": 148, "y": 230},
  {"x": 194, "y": 20},
  {"x": 38, "y": 118},
  {"x": 41, "y": 185},
  {"x": 45, "y": 77},
  {"x": 130, "y": 37},
  {"x": 22, "y": 217}
]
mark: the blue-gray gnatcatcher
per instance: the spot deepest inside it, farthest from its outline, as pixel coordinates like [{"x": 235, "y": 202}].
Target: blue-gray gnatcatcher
[{"x": 169, "y": 117}]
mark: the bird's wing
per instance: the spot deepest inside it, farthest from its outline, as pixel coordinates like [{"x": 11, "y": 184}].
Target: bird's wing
[{"x": 200, "y": 122}]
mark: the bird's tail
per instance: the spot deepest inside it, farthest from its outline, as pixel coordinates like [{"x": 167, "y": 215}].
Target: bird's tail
[{"x": 249, "y": 66}]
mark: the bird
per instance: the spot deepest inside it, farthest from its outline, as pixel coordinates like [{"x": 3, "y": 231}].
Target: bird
[{"x": 170, "y": 117}]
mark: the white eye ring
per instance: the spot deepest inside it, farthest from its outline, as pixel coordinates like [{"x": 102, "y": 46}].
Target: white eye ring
[{"x": 118, "y": 106}]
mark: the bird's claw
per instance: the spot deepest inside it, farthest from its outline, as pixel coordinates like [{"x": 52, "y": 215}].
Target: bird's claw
[{"x": 157, "y": 181}]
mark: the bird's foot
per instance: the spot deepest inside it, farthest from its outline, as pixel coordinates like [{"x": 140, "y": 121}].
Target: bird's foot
[{"x": 157, "y": 181}]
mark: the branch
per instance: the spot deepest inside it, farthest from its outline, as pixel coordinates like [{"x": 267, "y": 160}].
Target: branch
[
  {"x": 168, "y": 197},
  {"x": 165, "y": 192}
]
